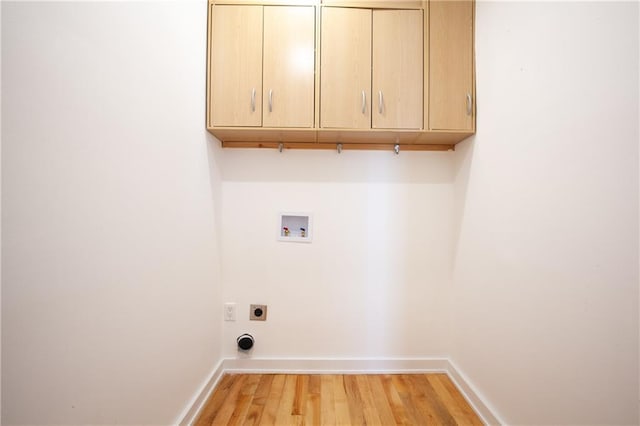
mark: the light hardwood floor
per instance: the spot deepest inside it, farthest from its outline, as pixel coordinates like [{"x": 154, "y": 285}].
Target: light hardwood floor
[{"x": 283, "y": 399}]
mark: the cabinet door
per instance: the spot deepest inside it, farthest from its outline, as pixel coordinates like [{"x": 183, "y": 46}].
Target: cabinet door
[
  {"x": 398, "y": 69},
  {"x": 236, "y": 66},
  {"x": 451, "y": 65},
  {"x": 289, "y": 60},
  {"x": 345, "y": 68}
]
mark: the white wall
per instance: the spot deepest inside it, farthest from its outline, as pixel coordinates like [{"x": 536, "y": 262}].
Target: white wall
[
  {"x": 373, "y": 282},
  {"x": 110, "y": 304},
  {"x": 112, "y": 194},
  {"x": 546, "y": 267},
  {"x": 0, "y": 226}
]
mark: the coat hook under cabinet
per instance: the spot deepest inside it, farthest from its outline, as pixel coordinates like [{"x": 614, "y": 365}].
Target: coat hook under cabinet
[
  {"x": 396, "y": 148},
  {"x": 280, "y": 146},
  {"x": 339, "y": 147}
]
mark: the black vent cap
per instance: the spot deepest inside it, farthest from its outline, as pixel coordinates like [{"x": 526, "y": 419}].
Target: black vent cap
[{"x": 245, "y": 342}]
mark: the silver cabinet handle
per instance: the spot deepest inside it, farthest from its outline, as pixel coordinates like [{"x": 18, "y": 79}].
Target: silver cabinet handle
[
  {"x": 364, "y": 102},
  {"x": 253, "y": 100},
  {"x": 469, "y": 104},
  {"x": 380, "y": 101},
  {"x": 270, "y": 100}
]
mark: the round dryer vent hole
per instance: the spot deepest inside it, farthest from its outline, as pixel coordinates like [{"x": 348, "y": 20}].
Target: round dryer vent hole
[{"x": 245, "y": 342}]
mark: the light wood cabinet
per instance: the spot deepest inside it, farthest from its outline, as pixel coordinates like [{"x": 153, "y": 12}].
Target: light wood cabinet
[
  {"x": 365, "y": 74},
  {"x": 288, "y": 66},
  {"x": 262, "y": 66},
  {"x": 371, "y": 72},
  {"x": 397, "y": 69},
  {"x": 451, "y": 94},
  {"x": 345, "y": 70},
  {"x": 236, "y": 61}
]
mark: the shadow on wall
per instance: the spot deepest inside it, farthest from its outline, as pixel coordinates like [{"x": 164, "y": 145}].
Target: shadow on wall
[
  {"x": 461, "y": 170},
  {"x": 269, "y": 165}
]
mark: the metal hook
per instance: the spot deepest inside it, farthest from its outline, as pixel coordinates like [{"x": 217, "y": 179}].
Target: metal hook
[
  {"x": 396, "y": 148},
  {"x": 339, "y": 147},
  {"x": 280, "y": 146}
]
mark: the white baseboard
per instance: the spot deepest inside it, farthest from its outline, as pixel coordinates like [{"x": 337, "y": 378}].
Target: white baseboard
[
  {"x": 341, "y": 366},
  {"x": 190, "y": 414},
  {"x": 487, "y": 414},
  {"x": 335, "y": 366}
]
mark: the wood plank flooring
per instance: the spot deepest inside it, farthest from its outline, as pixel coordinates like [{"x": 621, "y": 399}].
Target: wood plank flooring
[{"x": 300, "y": 399}]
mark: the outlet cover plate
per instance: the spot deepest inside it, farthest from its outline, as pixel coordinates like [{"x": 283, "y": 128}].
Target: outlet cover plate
[{"x": 229, "y": 311}]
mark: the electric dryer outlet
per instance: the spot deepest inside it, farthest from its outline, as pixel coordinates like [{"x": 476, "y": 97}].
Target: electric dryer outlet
[{"x": 258, "y": 313}]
